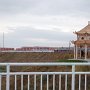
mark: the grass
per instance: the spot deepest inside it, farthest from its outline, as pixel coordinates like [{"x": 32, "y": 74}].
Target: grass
[{"x": 70, "y": 61}]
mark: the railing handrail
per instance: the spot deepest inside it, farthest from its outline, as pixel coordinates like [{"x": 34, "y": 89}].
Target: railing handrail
[
  {"x": 44, "y": 64},
  {"x": 44, "y": 73}
]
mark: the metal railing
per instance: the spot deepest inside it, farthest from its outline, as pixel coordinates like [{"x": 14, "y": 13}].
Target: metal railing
[{"x": 43, "y": 80}]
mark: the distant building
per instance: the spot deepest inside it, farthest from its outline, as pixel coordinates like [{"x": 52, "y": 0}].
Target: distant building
[
  {"x": 6, "y": 49},
  {"x": 36, "y": 49},
  {"x": 64, "y": 49}
]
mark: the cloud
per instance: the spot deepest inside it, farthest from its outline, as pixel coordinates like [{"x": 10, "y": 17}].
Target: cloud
[
  {"x": 34, "y": 37},
  {"x": 45, "y": 7}
]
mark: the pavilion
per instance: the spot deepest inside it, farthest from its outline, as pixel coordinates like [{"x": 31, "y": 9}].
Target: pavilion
[{"x": 82, "y": 43}]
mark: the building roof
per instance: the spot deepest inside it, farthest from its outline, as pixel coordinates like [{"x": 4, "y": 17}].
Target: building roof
[{"x": 85, "y": 29}]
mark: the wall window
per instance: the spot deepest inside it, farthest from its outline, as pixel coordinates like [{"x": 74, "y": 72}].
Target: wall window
[{"x": 82, "y": 38}]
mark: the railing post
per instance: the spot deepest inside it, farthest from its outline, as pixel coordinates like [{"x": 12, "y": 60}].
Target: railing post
[
  {"x": 73, "y": 77},
  {"x": 8, "y": 77}
]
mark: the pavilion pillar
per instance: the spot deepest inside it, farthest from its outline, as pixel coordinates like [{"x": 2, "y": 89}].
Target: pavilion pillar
[
  {"x": 76, "y": 52},
  {"x": 85, "y": 51},
  {"x": 80, "y": 53}
]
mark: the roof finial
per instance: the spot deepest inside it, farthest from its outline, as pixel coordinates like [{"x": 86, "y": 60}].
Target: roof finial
[{"x": 88, "y": 22}]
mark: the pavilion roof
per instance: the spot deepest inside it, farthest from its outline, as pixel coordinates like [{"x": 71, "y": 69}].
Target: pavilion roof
[
  {"x": 80, "y": 42},
  {"x": 85, "y": 29}
]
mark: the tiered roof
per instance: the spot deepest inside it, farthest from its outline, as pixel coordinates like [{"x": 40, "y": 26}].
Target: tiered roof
[{"x": 85, "y": 29}]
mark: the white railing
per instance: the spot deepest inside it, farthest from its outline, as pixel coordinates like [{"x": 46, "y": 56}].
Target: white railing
[{"x": 29, "y": 80}]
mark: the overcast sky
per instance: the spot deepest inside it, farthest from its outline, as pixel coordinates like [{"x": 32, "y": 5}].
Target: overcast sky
[{"x": 42, "y": 22}]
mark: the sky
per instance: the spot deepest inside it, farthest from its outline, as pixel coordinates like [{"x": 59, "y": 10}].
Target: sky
[{"x": 48, "y": 23}]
